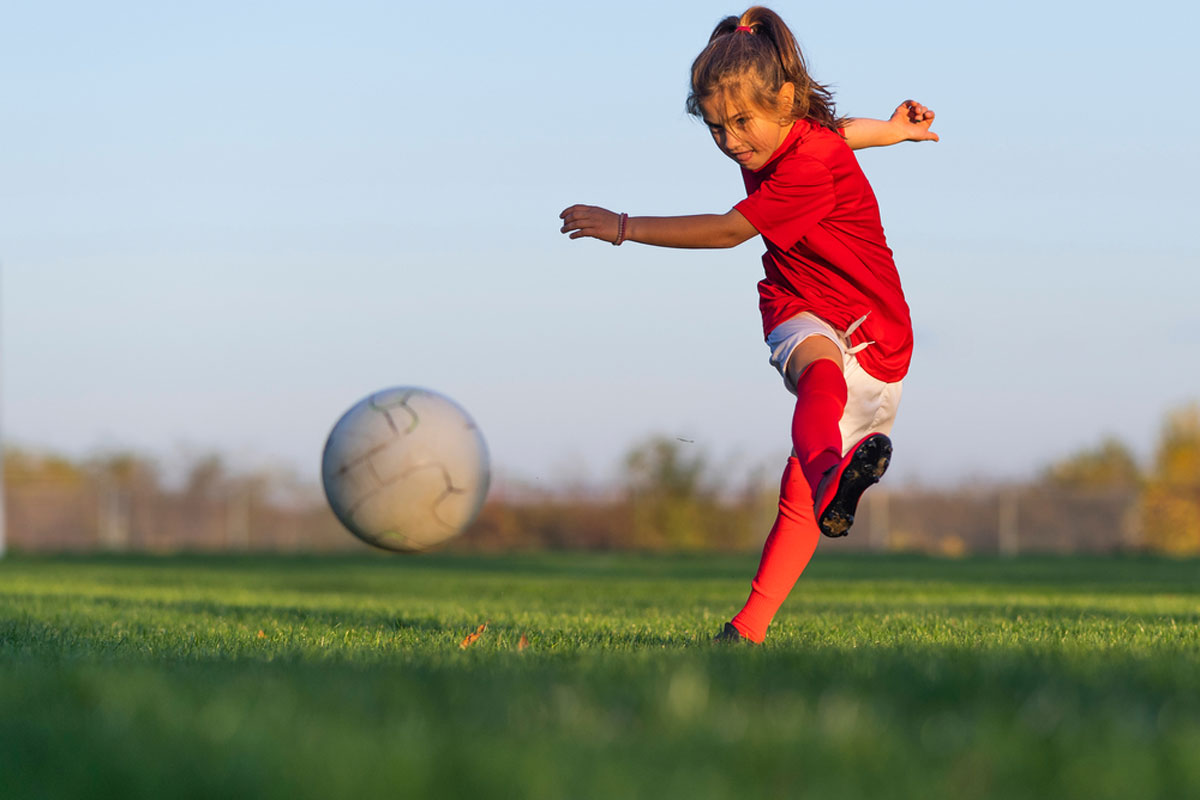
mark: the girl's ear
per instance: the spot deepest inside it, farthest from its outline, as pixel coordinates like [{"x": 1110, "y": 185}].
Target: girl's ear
[{"x": 785, "y": 99}]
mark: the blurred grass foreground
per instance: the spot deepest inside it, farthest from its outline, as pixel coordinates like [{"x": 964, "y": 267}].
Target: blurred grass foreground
[{"x": 893, "y": 676}]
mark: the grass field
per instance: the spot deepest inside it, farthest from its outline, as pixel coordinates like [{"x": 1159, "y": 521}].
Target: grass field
[{"x": 337, "y": 677}]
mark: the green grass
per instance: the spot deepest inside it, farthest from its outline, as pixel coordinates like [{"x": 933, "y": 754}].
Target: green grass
[{"x": 883, "y": 677}]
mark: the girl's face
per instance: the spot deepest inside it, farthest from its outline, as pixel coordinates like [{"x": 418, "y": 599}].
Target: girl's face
[{"x": 744, "y": 132}]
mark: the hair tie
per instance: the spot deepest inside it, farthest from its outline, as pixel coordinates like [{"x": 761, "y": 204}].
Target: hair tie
[{"x": 745, "y": 28}]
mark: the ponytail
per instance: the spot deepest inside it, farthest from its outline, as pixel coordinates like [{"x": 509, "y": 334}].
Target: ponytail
[{"x": 756, "y": 53}]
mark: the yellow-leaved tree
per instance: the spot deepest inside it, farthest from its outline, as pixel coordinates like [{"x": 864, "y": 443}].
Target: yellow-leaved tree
[{"x": 1170, "y": 503}]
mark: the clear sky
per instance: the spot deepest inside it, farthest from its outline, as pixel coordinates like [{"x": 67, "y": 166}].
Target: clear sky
[{"x": 223, "y": 223}]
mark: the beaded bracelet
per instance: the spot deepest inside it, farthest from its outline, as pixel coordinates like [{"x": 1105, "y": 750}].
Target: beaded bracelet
[{"x": 621, "y": 222}]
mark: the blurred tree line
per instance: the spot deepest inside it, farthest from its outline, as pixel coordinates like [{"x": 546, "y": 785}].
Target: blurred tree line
[
  {"x": 671, "y": 496},
  {"x": 122, "y": 501}
]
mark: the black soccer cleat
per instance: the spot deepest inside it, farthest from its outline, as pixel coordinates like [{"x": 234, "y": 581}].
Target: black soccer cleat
[
  {"x": 843, "y": 485},
  {"x": 730, "y": 635}
]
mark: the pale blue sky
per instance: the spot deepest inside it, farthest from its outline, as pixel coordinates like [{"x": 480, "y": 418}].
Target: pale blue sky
[{"x": 222, "y": 225}]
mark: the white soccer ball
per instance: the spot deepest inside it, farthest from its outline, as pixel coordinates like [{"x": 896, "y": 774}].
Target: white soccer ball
[{"x": 405, "y": 469}]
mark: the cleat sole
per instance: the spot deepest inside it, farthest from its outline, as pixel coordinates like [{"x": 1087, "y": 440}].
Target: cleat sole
[{"x": 866, "y": 467}]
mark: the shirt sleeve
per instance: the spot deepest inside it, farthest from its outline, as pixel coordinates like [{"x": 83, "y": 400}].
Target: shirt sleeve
[{"x": 789, "y": 203}]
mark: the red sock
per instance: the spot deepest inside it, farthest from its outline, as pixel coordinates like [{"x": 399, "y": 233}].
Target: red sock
[
  {"x": 820, "y": 403},
  {"x": 789, "y": 547}
]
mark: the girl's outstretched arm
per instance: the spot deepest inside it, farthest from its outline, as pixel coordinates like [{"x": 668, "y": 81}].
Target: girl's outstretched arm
[
  {"x": 697, "y": 231},
  {"x": 909, "y": 123}
]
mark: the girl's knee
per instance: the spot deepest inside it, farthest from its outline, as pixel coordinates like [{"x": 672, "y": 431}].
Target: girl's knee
[{"x": 808, "y": 352}]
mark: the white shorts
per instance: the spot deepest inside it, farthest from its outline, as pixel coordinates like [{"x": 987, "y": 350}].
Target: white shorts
[{"x": 871, "y": 404}]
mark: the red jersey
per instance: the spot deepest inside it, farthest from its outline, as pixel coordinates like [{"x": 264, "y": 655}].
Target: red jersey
[{"x": 826, "y": 252}]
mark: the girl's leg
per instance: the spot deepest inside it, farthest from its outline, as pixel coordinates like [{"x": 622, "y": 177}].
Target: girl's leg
[
  {"x": 820, "y": 402},
  {"x": 870, "y": 411},
  {"x": 789, "y": 547},
  {"x": 814, "y": 368}
]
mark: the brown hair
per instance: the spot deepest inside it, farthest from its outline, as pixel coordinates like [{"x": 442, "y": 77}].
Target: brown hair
[{"x": 758, "y": 62}]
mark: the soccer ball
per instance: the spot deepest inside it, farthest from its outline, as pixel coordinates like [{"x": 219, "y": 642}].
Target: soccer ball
[{"x": 405, "y": 469}]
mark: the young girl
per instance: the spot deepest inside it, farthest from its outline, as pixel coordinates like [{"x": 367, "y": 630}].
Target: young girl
[{"x": 833, "y": 311}]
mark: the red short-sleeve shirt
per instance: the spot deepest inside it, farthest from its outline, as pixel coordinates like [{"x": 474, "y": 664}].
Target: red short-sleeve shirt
[{"x": 826, "y": 252}]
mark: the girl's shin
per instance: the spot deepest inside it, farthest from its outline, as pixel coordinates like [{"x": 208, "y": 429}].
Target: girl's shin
[{"x": 789, "y": 547}]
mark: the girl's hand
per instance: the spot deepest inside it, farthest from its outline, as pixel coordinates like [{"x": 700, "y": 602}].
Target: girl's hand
[
  {"x": 593, "y": 221},
  {"x": 911, "y": 121}
]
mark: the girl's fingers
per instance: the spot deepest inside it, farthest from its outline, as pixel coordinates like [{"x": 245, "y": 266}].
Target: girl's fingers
[
  {"x": 580, "y": 221},
  {"x": 917, "y": 112}
]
